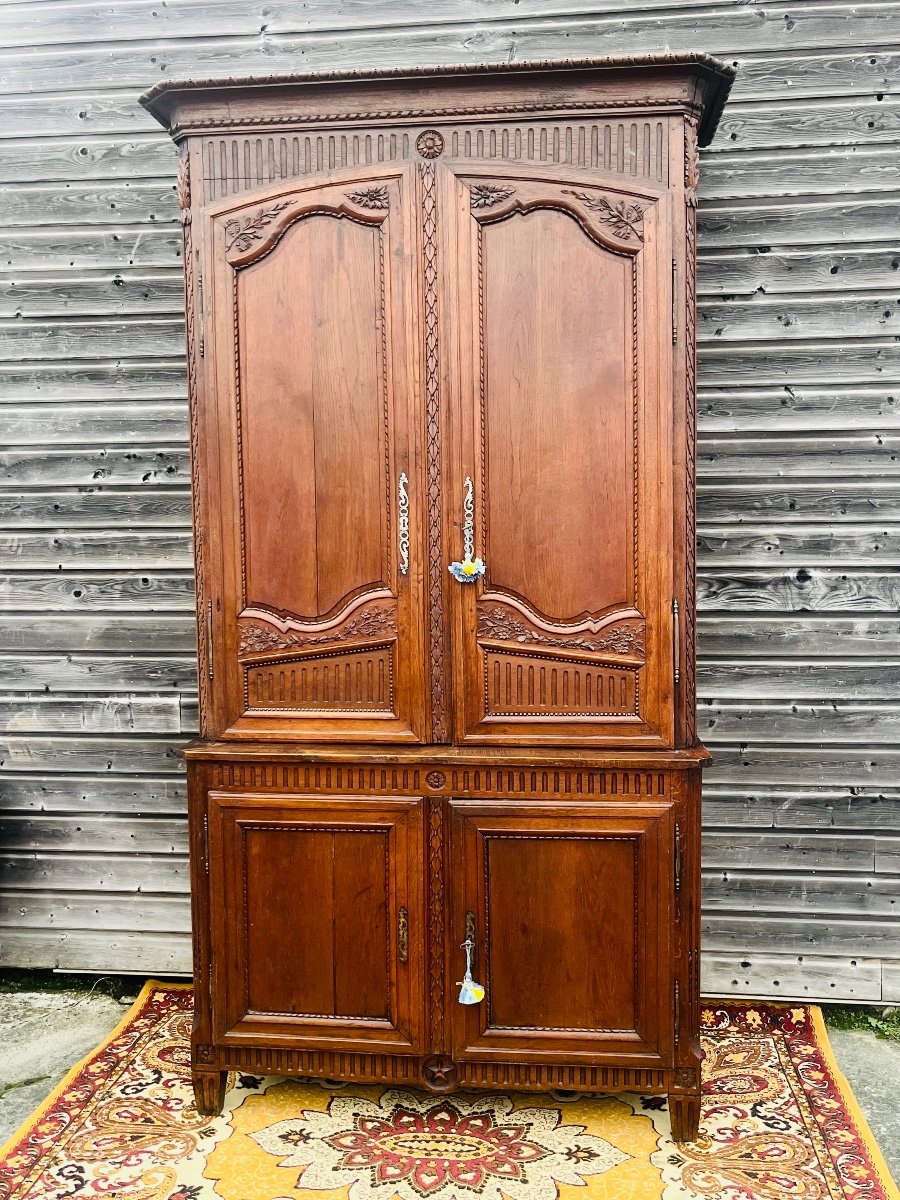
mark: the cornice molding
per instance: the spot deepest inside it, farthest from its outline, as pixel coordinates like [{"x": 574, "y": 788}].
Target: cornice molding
[{"x": 161, "y": 100}]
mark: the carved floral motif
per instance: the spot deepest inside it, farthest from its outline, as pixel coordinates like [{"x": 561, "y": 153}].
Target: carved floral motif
[
  {"x": 691, "y": 163},
  {"x": 260, "y": 638},
  {"x": 430, "y": 144},
  {"x": 498, "y": 624},
  {"x": 375, "y": 197},
  {"x": 486, "y": 194},
  {"x": 242, "y": 232},
  {"x": 625, "y": 218},
  {"x": 686, "y": 1077},
  {"x": 184, "y": 185}
]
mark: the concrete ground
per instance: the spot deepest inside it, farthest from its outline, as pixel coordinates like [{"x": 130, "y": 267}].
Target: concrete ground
[
  {"x": 43, "y": 1034},
  {"x": 872, "y": 1067}
]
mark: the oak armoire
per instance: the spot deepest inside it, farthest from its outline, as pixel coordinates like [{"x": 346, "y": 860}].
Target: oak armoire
[{"x": 441, "y": 354}]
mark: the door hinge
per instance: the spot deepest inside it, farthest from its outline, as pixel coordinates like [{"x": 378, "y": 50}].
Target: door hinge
[
  {"x": 676, "y": 641},
  {"x": 677, "y": 1011},
  {"x": 201, "y": 328},
  {"x": 209, "y": 641},
  {"x": 677, "y": 857},
  {"x": 674, "y": 302}
]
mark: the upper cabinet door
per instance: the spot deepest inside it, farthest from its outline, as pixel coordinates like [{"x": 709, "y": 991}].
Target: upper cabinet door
[
  {"x": 317, "y": 625},
  {"x": 563, "y": 456}
]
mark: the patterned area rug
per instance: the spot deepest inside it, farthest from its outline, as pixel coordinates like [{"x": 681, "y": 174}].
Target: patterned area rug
[{"x": 778, "y": 1121}]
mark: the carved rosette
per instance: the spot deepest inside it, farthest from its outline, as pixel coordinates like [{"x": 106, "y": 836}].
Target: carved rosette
[
  {"x": 260, "y": 638},
  {"x": 624, "y": 218},
  {"x": 686, "y": 1078},
  {"x": 205, "y": 1055},
  {"x": 242, "y": 232},
  {"x": 496, "y": 623},
  {"x": 439, "y": 1073},
  {"x": 430, "y": 144}
]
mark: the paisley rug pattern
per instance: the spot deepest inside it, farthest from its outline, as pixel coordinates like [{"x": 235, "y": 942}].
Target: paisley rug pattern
[{"x": 779, "y": 1121}]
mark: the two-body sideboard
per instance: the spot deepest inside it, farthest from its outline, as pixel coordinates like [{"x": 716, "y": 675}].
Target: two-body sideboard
[{"x": 441, "y": 358}]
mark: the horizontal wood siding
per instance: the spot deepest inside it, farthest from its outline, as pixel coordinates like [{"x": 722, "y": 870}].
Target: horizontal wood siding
[{"x": 799, "y": 489}]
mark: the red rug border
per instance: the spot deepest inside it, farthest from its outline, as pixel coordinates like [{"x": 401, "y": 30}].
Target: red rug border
[{"x": 42, "y": 1128}]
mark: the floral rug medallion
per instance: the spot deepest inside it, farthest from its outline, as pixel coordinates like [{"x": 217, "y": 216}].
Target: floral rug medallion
[
  {"x": 412, "y": 1146},
  {"x": 778, "y": 1123}
]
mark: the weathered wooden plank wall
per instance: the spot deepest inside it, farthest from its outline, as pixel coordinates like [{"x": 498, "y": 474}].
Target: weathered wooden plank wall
[{"x": 799, "y": 487}]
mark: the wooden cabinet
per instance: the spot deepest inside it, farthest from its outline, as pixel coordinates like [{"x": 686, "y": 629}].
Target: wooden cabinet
[{"x": 442, "y": 384}]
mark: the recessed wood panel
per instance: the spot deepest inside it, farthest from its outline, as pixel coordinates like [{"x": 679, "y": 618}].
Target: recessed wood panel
[
  {"x": 561, "y": 921},
  {"x": 557, "y": 327},
  {"x": 316, "y": 922},
  {"x": 518, "y": 683},
  {"x": 313, "y": 417},
  {"x": 353, "y": 681}
]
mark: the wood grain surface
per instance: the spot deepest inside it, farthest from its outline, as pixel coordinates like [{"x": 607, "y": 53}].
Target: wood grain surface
[{"x": 797, "y": 405}]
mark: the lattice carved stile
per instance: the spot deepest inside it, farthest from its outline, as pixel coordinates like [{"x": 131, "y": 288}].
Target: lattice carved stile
[
  {"x": 691, "y": 181},
  {"x": 199, "y": 509}
]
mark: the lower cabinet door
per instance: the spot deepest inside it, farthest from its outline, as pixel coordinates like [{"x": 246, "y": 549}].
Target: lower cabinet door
[
  {"x": 317, "y": 921},
  {"x": 569, "y": 908}
]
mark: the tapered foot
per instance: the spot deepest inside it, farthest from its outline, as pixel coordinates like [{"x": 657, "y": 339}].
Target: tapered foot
[
  {"x": 209, "y": 1091},
  {"x": 684, "y": 1113}
]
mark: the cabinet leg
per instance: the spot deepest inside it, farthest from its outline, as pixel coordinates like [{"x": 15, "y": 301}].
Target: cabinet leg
[
  {"x": 209, "y": 1091},
  {"x": 684, "y": 1113}
]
